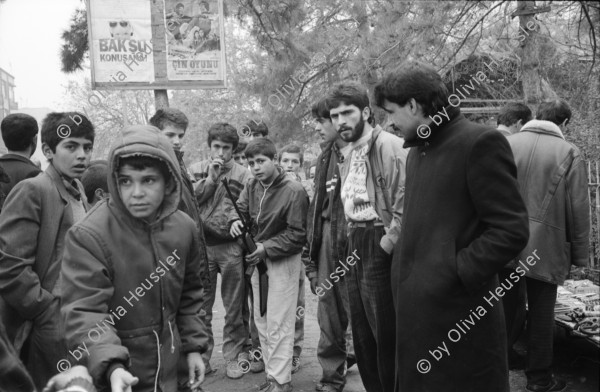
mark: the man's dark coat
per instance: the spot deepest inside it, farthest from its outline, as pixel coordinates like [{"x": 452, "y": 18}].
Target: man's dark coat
[
  {"x": 17, "y": 168},
  {"x": 464, "y": 219}
]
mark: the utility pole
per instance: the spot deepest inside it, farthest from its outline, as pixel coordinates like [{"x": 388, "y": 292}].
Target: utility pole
[{"x": 161, "y": 98}]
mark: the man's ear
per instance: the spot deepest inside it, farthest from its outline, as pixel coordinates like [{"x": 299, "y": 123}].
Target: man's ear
[
  {"x": 276, "y": 158},
  {"x": 415, "y": 108},
  {"x": 366, "y": 113},
  {"x": 563, "y": 126},
  {"x": 47, "y": 152}
]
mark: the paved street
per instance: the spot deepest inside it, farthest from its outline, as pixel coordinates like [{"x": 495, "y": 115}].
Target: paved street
[{"x": 576, "y": 360}]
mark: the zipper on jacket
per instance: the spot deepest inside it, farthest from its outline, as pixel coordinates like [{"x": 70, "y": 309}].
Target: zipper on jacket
[{"x": 260, "y": 204}]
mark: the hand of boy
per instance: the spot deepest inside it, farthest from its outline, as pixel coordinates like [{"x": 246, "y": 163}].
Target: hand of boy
[
  {"x": 258, "y": 255},
  {"x": 236, "y": 228},
  {"x": 214, "y": 169},
  {"x": 196, "y": 369},
  {"x": 121, "y": 380}
]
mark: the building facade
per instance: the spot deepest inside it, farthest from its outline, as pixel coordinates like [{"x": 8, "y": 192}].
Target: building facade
[{"x": 7, "y": 99}]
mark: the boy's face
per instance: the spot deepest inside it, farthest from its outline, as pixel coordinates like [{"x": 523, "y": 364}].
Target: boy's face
[
  {"x": 263, "y": 168},
  {"x": 326, "y": 130},
  {"x": 72, "y": 156},
  {"x": 290, "y": 162},
  {"x": 174, "y": 134},
  {"x": 240, "y": 158},
  {"x": 142, "y": 191},
  {"x": 221, "y": 150}
]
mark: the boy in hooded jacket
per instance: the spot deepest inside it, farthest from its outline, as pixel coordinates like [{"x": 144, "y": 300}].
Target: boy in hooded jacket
[{"x": 132, "y": 274}]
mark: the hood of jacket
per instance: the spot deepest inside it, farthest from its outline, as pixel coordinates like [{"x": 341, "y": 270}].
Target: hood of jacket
[
  {"x": 541, "y": 126},
  {"x": 144, "y": 140}
]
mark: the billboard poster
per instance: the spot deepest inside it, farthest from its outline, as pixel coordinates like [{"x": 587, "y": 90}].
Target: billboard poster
[
  {"x": 194, "y": 37},
  {"x": 121, "y": 41}
]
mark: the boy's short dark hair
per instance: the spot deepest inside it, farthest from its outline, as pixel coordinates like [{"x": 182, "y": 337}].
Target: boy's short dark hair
[
  {"x": 164, "y": 117},
  {"x": 240, "y": 147},
  {"x": 258, "y": 127},
  {"x": 350, "y": 94},
  {"x": 292, "y": 149},
  {"x": 320, "y": 109},
  {"x": 62, "y": 125},
  {"x": 141, "y": 162},
  {"x": 94, "y": 177},
  {"x": 556, "y": 111},
  {"x": 225, "y": 133},
  {"x": 513, "y": 112},
  {"x": 413, "y": 79},
  {"x": 262, "y": 146},
  {"x": 17, "y": 131}
]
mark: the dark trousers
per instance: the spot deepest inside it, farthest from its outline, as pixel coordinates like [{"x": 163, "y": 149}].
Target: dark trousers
[
  {"x": 541, "y": 297},
  {"x": 333, "y": 316},
  {"x": 372, "y": 308},
  {"x": 515, "y": 313}
]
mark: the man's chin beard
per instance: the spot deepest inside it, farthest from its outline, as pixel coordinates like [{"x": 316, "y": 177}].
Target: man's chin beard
[{"x": 357, "y": 132}]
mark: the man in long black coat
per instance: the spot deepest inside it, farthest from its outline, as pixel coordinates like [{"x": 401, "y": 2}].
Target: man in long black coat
[{"x": 464, "y": 219}]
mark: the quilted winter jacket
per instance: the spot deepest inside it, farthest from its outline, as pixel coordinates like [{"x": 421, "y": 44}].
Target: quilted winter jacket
[
  {"x": 553, "y": 183},
  {"x": 131, "y": 289}
]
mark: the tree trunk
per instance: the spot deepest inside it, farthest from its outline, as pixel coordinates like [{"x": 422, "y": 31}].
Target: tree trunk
[{"x": 535, "y": 88}]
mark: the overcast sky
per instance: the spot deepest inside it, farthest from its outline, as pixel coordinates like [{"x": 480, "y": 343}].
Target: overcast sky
[{"x": 30, "y": 43}]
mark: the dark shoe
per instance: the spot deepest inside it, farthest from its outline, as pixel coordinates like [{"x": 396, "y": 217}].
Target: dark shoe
[{"x": 554, "y": 386}]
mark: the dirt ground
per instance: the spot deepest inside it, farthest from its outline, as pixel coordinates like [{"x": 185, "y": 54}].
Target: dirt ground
[{"x": 576, "y": 360}]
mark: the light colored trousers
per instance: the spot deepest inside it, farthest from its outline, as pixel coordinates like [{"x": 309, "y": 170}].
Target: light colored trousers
[{"x": 276, "y": 328}]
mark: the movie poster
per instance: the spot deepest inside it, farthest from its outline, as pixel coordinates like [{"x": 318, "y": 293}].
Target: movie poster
[
  {"x": 194, "y": 30},
  {"x": 121, "y": 39}
]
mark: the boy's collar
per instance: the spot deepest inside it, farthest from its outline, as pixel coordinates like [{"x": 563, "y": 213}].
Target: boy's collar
[{"x": 69, "y": 185}]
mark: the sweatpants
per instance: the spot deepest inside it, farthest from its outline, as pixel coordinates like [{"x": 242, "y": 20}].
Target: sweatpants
[
  {"x": 333, "y": 314},
  {"x": 276, "y": 327},
  {"x": 226, "y": 259},
  {"x": 372, "y": 310}
]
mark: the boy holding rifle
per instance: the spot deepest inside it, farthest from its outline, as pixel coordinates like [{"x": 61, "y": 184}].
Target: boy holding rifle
[{"x": 275, "y": 208}]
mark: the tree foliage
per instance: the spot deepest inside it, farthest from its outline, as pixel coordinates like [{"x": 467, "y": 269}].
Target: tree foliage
[{"x": 283, "y": 55}]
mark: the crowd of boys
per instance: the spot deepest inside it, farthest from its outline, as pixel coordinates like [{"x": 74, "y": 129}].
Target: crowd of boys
[{"x": 111, "y": 266}]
